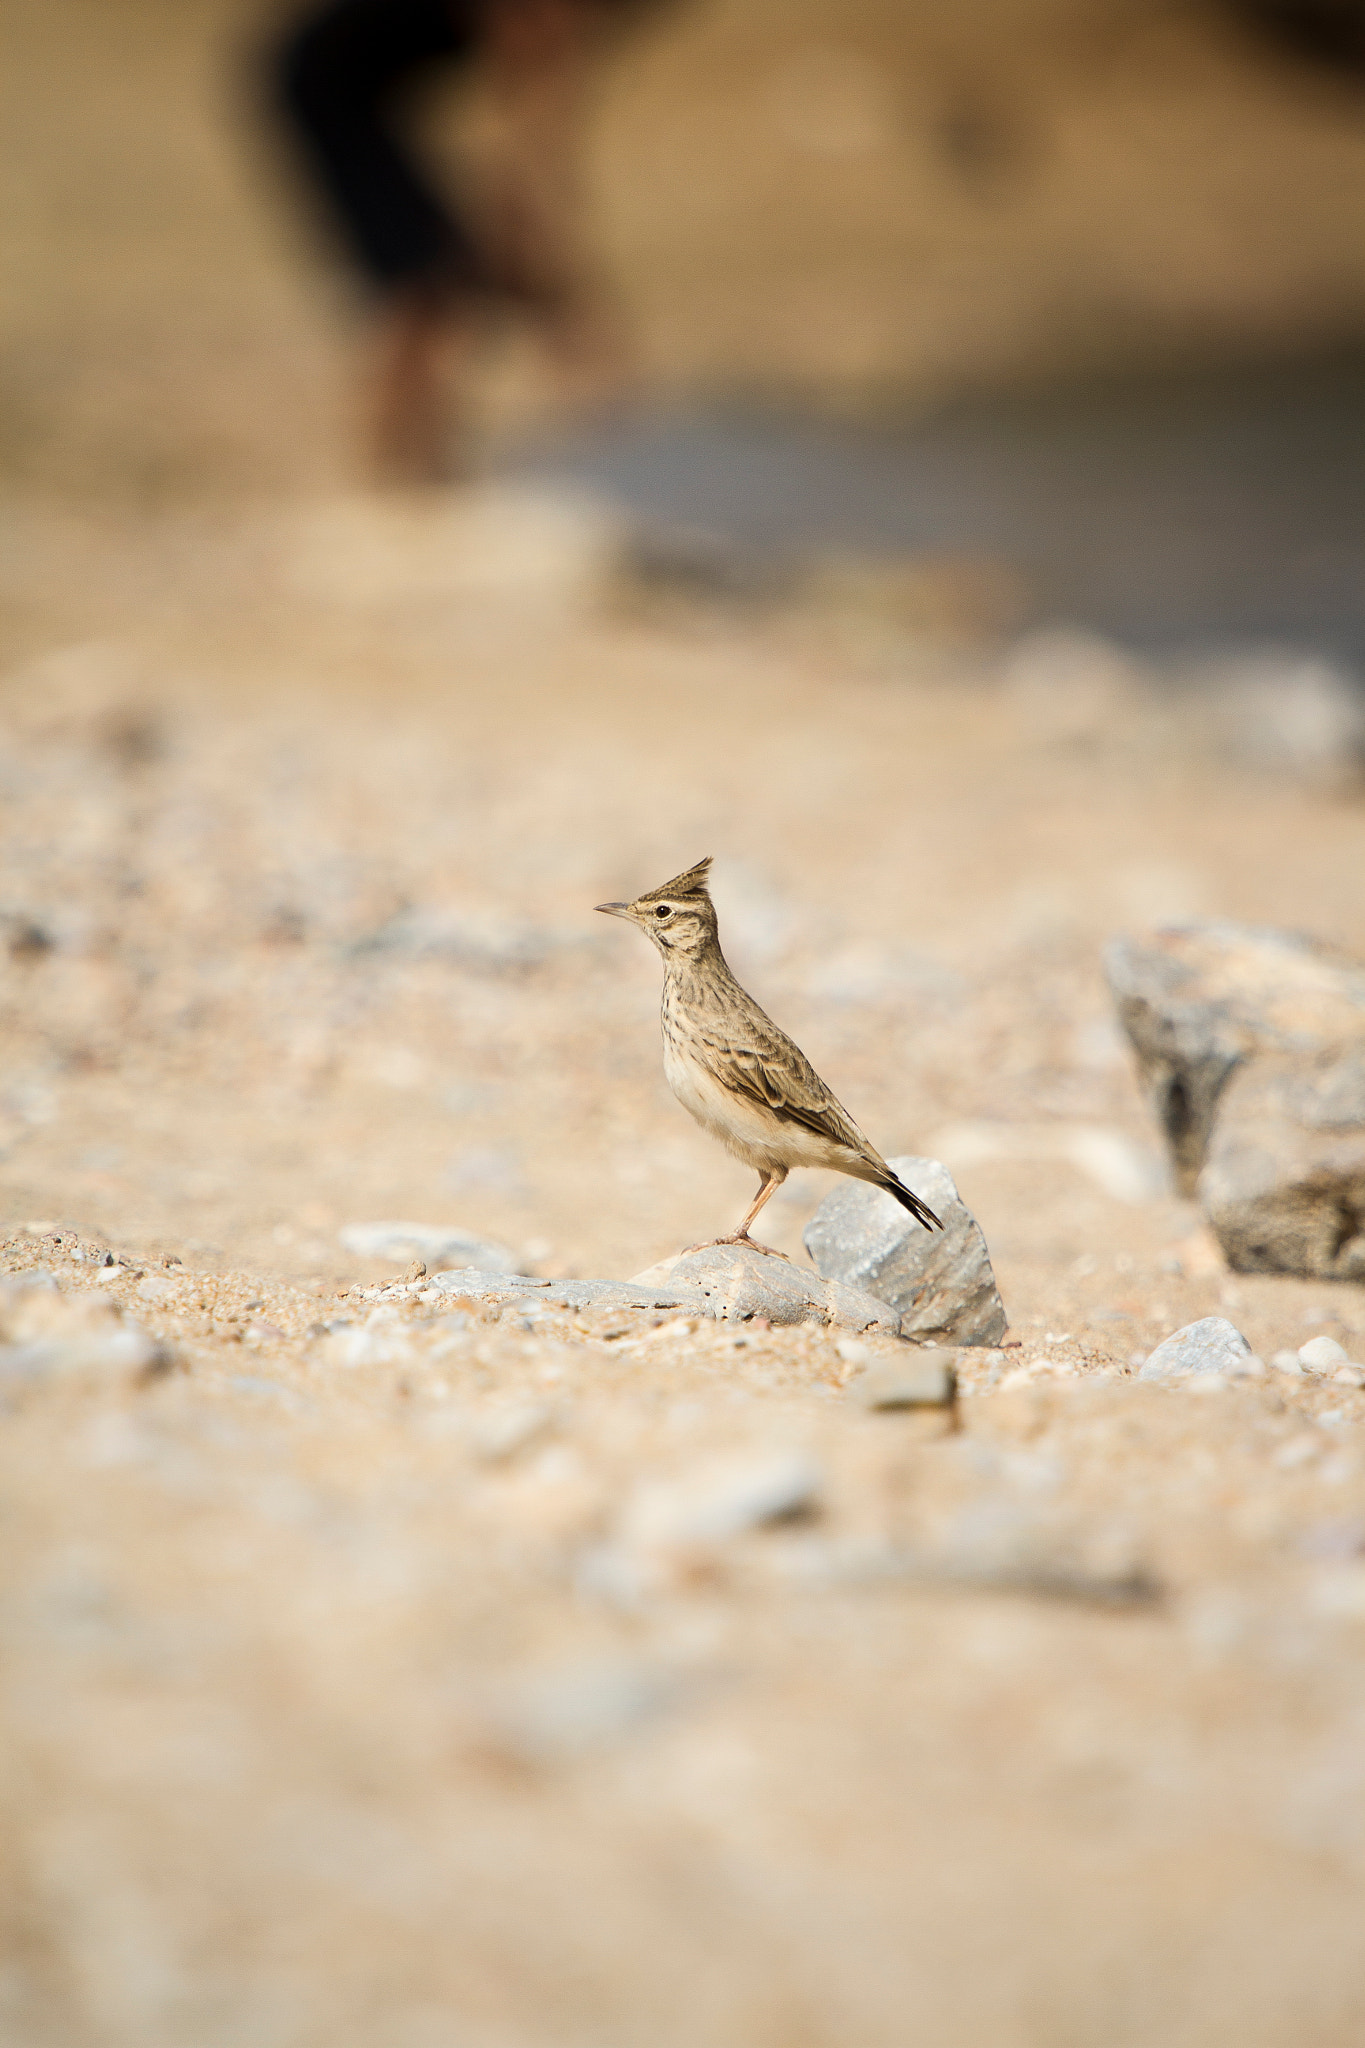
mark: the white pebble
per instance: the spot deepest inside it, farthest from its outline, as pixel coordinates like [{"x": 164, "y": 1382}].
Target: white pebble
[{"x": 1323, "y": 1354}]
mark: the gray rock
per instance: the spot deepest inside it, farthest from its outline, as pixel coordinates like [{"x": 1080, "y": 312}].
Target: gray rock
[
  {"x": 434, "y": 1243},
  {"x": 573, "y": 1294},
  {"x": 1284, "y": 1183},
  {"x": 916, "y": 1379},
  {"x": 940, "y": 1281},
  {"x": 1213, "y": 1344},
  {"x": 725, "y": 1281},
  {"x": 736, "y": 1284},
  {"x": 1198, "y": 1000}
]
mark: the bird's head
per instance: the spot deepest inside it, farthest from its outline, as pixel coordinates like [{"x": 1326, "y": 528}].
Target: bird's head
[{"x": 679, "y": 916}]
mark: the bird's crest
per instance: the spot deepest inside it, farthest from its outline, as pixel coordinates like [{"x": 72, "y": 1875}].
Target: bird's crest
[{"x": 691, "y": 883}]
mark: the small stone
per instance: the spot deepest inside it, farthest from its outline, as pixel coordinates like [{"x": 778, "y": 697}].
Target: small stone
[
  {"x": 1284, "y": 1182},
  {"x": 427, "y": 1244},
  {"x": 920, "y": 1379},
  {"x": 719, "y": 1501},
  {"x": 941, "y": 1282},
  {"x": 1287, "y": 1362},
  {"x": 157, "y": 1289},
  {"x": 1212, "y": 1345},
  {"x": 1198, "y": 1000},
  {"x": 1323, "y": 1354},
  {"x": 416, "y": 1271}
]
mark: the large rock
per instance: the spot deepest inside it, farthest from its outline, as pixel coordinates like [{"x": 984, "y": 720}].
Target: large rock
[
  {"x": 738, "y": 1283},
  {"x": 1213, "y": 1344},
  {"x": 1284, "y": 1183},
  {"x": 940, "y": 1281},
  {"x": 1200, "y": 999}
]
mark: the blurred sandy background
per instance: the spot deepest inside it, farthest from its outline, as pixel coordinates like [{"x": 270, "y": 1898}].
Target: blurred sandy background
[{"x": 847, "y": 204}]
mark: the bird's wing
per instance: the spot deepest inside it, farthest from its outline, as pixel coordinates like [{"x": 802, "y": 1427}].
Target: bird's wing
[{"x": 763, "y": 1065}]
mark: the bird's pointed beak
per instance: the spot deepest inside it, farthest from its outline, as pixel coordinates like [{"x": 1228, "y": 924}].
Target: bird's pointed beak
[{"x": 613, "y": 909}]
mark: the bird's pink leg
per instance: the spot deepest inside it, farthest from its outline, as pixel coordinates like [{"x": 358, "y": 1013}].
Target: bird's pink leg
[{"x": 766, "y": 1187}]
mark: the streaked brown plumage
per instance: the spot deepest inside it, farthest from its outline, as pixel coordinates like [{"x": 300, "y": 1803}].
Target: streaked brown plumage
[{"x": 732, "y": 1068}]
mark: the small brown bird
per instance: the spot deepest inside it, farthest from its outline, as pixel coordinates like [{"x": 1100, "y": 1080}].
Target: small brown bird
[{"x": 734, "y": 1071}]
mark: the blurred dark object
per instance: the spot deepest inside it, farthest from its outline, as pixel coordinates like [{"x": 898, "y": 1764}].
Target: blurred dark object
[
  {"x": 345, "y": 74},
  {"x": 346, "y": 79},
  {"x": 1328, "y": 32}
]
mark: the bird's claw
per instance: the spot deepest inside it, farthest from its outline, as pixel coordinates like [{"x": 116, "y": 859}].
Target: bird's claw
[{"x": 738, "y": 1237}]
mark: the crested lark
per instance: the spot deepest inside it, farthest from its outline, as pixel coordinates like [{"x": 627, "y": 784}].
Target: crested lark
[{"x": 733, "y": 1070}]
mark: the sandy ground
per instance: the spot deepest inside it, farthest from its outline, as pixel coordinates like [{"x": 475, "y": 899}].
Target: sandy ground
[{"x": 356, "y": 1690}]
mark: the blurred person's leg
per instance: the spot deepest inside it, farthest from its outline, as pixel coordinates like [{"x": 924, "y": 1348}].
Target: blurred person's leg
[
  {"x": 419, "y": 349},
  {"x": 341, "y": 79}
]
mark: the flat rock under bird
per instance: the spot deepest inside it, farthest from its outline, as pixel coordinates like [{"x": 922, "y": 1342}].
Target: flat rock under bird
[{"x": 734, "y": 1071}]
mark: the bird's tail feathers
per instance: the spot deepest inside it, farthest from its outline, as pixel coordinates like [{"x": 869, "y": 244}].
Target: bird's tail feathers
[{"x": 908, "y": 1199}]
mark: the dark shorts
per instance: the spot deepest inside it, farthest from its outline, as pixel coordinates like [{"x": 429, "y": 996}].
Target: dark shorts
[{"x": 343, "y": 79}]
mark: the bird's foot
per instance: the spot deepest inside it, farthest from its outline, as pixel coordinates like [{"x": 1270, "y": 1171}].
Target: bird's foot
[{"x": 738, "y": 1237}]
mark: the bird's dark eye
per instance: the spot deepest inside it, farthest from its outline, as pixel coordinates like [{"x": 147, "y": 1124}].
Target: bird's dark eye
[{"x": 663, "y": 911}]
